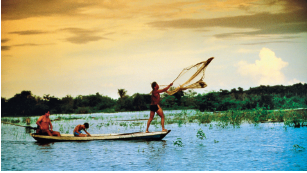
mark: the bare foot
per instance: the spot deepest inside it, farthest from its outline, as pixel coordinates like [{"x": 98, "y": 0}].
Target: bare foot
[
  {"x": 164, "y": 130},
  {"x": 147, "y": 131}
]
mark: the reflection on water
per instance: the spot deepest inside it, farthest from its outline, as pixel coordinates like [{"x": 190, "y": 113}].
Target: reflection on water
[
  {"x": 48, "y": 144},
  {"x": 265, "y": 147}
]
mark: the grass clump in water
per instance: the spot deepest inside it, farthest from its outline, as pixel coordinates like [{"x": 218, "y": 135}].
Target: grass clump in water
[
  {"x": 178, "y": 142},
  {"x": 292, "y": 118},
  {"x": 200, "y": 134},
  {"x": 298, "y": 148},
  {"x": 123, "y": 124},
  {"x": 295, "y": 118},
  {"x": 201, "y": 117}
]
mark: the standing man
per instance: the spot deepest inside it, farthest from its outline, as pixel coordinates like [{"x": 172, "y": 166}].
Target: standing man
[
  {"x": 154, "y": 105},
  {"x": 43, "y": 124}
]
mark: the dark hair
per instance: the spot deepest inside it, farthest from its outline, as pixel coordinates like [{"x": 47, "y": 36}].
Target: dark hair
[
  {"x": 86, "y": 125},
  {"x": 45, "y": 111},
  {"x": 153, "y": 85}
]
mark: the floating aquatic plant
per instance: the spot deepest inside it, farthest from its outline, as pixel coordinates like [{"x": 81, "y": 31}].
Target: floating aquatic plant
[
  {"x": 178, "y": 142},
  {"x": 211, "y": 126},
  {"x": 298, "y": 148},
  {"x": 123, "y": 124},
  {"x": 200, "y": 134}
]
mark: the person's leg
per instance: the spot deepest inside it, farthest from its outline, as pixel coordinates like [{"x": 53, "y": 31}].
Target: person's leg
[
  {"x": 38, "y": 130},
  {"x": 81, "y": 135},
  {"x": 152, "y": 114},
  {"x": 160, "y": 113},
  {"x": 76, "y": 134},
  {"x": 55, "y": 133},
  {"x": 47, "y": 132}
]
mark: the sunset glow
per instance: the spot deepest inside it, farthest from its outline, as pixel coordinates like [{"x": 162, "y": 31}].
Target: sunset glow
[{"x": 84, "y": 47}]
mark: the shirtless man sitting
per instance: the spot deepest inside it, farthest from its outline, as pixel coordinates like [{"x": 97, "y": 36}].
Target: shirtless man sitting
[
  {"x": 78, "y": 128},
  {"x": 43, "y": 124}
]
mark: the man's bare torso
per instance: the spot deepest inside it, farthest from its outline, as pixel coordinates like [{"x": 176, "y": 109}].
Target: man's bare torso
[{"x": 44, "y": 122}]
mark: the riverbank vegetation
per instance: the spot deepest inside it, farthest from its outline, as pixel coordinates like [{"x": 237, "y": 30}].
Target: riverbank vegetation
[
  {"x": 223, "y": 119},
  {"x": 262, "y": 98},
  {"x": 234, "y": 118}
]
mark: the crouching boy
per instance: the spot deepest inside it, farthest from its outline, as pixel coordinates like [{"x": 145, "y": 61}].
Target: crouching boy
[{"x": 78, "y": 128}]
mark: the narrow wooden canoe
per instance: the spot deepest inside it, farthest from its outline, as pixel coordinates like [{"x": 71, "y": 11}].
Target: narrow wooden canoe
[{"x": 152, "y": 136}]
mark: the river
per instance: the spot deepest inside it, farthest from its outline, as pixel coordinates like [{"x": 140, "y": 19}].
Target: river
[{"x": 249, "y": 147}]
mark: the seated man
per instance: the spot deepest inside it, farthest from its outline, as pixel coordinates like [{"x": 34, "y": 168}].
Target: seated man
[
  {"x": 78, "y": 128},
  {"x": 43, "y": 124}
]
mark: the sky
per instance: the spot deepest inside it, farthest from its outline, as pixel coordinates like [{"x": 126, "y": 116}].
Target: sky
[{"x": 81, "y": 47}]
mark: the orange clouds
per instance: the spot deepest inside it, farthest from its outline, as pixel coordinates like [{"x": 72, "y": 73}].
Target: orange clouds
[{"x": 129, "y": 43}]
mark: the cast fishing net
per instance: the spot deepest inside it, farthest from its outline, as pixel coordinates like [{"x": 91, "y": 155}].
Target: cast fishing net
[{"x": 190, "y": 77}]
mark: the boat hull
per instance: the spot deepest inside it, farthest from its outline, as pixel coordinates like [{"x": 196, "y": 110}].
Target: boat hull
[{"x": 152, "y": 136}]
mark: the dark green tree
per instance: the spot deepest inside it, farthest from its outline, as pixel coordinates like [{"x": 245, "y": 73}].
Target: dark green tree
[
  {"x": 21, "y": 104},
  {"x": 139, "y": 103},
  {"x": 122, "y": 93},
  {"x": 67, "y": 104}
]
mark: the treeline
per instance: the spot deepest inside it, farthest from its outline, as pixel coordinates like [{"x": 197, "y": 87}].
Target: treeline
[{"x": 268, "y": 97}]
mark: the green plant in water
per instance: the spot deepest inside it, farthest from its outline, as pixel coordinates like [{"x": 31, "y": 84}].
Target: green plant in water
[
  {"x": 235, "y": 117},
  {"x": 15, "y": 121},
  {"x": 203, "y": 118},
  {"x": 136, "y": 124},
  {"x": 215, "y": 141},
  {"x": 180, "y": 122},
  {"x": 169, "y": 121},
  {"x": 298, "y": 148},
  {"x": 123, "y": 124},
  {"x": 107, "y": 124},
  {"x": 295, "y": 118},
  {"x": 61, "y": 129},
  {"x": 222, "y": 124},
  {"x": 200, "y": 134},
  {"x": 155, "y": 122},
  {"x": 178, "y": 142},
  {"x": 211, "y": 126}
]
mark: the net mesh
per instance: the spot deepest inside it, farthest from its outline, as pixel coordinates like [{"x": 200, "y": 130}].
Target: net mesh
[{"x": 191, "y": 77}]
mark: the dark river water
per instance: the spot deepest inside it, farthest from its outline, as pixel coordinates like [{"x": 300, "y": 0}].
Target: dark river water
[{"x": 262, "y": 147}]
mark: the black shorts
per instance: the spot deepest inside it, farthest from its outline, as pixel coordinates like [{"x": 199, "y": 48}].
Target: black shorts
[{"x": 154, "y": 108}]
